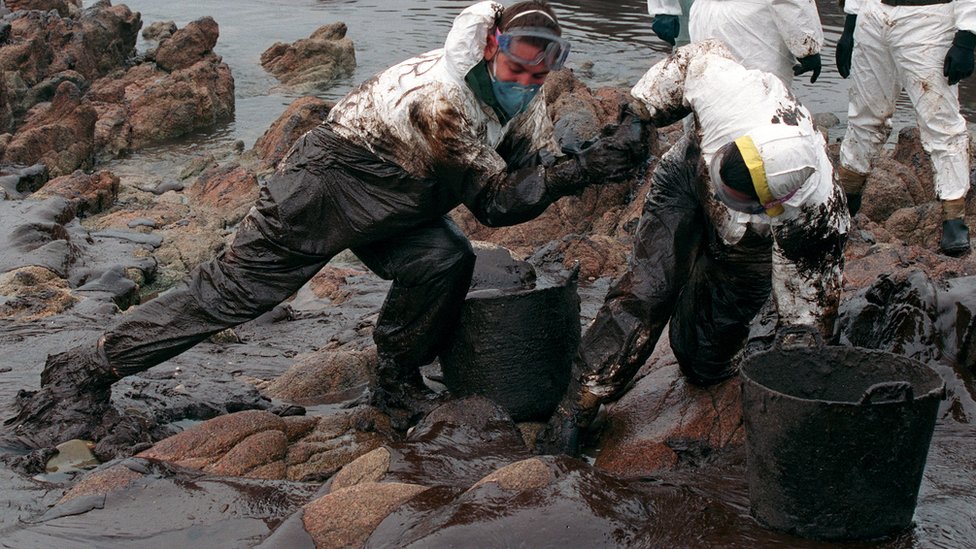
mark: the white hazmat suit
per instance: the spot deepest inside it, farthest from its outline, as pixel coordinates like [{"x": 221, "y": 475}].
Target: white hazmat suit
[
  {"x": 769, "y": 35},
  {"x": 904, "y": 47}
]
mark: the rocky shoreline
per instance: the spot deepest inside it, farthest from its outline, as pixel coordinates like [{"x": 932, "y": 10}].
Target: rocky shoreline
[{"x": 210, "y": 435}]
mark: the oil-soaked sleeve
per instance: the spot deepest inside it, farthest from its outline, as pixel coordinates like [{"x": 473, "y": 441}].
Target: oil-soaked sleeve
[
  {"x": 662, "y": 88},
  {"x": 482, "y": 180}
]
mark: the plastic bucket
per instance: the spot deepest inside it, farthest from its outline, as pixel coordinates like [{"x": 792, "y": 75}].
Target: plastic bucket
[
  {"x": 836, "y": 437},
  {"x": 516, "y": 347}
]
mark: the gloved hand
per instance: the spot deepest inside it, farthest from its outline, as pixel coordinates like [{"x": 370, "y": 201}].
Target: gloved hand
[
  {"x": 845, "y": 46},
  {"x": 666, "y": 27},
  {"x": 958, "y": 62},
  {"x": 616, "y": 153},
  {"x": 807, "y": 64},
  {"x": 563, "y": 432}
]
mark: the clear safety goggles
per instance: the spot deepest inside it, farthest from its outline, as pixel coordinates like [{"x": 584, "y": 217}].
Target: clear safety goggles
[
  {"x": 737, "y": 200},
  {"x": 552, "y": 50}
]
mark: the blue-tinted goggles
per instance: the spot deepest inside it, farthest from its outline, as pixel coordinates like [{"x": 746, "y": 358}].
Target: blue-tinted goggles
[{"x": 553, "y": 50}]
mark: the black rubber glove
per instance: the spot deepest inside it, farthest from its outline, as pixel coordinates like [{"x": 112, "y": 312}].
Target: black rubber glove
[
  {"x": 616, "y": 153},
  {"x": 845, "y": 46},
  {"x": 959, "y": 61},
  {"x": 666, "y": 27},
  {"x": 807, "y": 64}
]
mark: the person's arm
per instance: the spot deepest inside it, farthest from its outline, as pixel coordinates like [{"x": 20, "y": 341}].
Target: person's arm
[
  {"x": 958, "y": 63},
  {"x": 662, "y": 87},
  {"x": 798, "y": 22},
  {"x": 666, "y": 13},
  {"x": 500, "y": 195},
  {"x": 808, "y": 264}
]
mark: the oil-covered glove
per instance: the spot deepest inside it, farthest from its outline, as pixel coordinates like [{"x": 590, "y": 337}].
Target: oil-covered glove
[
  {"x": 666, "y": 27},
  {"x": 959, "y": 60},
  {"x": 845, "y": 46},
  {"x": 615, "y": 154},
  {"x": 807, "y": 64},
  {"x": 563, "y": 432}
]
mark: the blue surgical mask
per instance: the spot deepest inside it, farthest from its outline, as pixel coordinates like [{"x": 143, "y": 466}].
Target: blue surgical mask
[{"x": 512, "y": 96}]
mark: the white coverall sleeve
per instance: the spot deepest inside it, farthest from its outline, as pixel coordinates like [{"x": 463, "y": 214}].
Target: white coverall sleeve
[
  {"x": 798, "y": 22},
  {"x": 965, "y": 14},
  {"x": 663, "y": 7},
  {"x": 852, "y": 7},
  {"x": 661, "y": 89}
]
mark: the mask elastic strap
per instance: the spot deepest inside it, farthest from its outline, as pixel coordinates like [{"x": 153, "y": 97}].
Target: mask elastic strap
[
  {"x": 757, "y": 172},
  {"x": 549, "y": 17}
]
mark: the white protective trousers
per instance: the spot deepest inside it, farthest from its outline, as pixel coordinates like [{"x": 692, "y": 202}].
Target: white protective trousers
[
  {"x": 904, "y": 47},
  {"x": 768, "y": 35}
]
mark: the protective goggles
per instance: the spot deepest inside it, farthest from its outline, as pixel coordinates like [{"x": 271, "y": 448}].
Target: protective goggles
[
  {"x": 737, "y": 200},
  {"x": 552, "y": 50}
]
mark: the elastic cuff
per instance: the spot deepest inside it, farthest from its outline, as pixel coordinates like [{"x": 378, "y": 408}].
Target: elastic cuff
[
  {"x": 954, "y": 209},
  {"x": 851, "y": 181}
]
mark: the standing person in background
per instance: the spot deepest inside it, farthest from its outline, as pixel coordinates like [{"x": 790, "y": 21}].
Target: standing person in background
[
  {"x": 378, "y": 177},
  {"x": 670, "y": 20},
  {"x": 924, "y": 47},
  {"x": 783, "y": 37},
  {"x": 742, "y": 208}
]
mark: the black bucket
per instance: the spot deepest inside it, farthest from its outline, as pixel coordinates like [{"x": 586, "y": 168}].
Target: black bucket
[
  {"x": 836, "y": 437},
  {"x": 516, "y": 347}
]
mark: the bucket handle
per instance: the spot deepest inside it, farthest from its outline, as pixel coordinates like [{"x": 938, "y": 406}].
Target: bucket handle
[
  {"x": 798, "y": 337},
  {"x": 887, "y": 392}
]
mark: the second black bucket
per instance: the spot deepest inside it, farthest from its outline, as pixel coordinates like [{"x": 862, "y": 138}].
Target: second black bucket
[{"x": 836, "y": 437}]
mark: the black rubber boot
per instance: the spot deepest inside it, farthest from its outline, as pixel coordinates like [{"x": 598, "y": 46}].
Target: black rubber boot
[
  {"x": 565, "y": 430},
  {"x": 853, "y": 203},
  {"x": 401, "y": 394},
  {"x": 74, "y": 401},
  {"x": 955, "y": 237}
]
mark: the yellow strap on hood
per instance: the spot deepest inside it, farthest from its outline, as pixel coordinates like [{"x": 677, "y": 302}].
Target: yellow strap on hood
[{"x": 757, "y": 171}]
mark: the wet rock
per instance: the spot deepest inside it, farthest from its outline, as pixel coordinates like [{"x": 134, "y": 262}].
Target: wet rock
[
  {"x": 59, "y": 134},
  {"x": 598, "y": 255},
  {"x": 312, "y": 63},
  {"x": 332, "y": 283},
  {"x": 225, "y": 193},
  {"x": 33, "y": 293},
  {"x": 102, "y": 481},
  {"x": 541, "y": 502},
  {"x": 302, "y": 115},
  {"x": 891, "y": 187},
  {"x": 825, "y": 120},
  {"x": 230, "y": 512},
  {"x": 327, "y": 376},
  {"x": 865, "y": 263},
  {"x": 190, "y": 89},
  {"x": 336, "y": 441},
  {"x": 496, "y": 269},
  {"x": 159, "y": 30},
  {"x": 73, "y": 455},
  {"x": 63, "y": 7},
  {"x": 20, "y": 181},
  {"x": 44, "y": 44},
  {"x": 918, "y": 225},
  {"x": 663, "y": 421},
  {"x": 88, "y": 193},
  {"x": 368, "y": 467},
  {"x": 910, "y": 152},
  {"x": 206, "y": 444},
  {"x": 521, "y": 476},
  {"x": 188, "y": 45},
  {"x": 347, "y": 517},
  {"x": 35, "y": 235}
]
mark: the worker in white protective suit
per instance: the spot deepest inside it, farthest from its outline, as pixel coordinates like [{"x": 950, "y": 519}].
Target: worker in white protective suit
[
  {"x": 460, "y": 125},
  {"x": 783, "y": 37},
  {"x": 670, "y": 20},
  {"x": 744, "y": 207},
  {"x": 924, "y": 47}
]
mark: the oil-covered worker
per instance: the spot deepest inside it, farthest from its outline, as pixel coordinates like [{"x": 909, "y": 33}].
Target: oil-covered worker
[
  {"x": 464, "y": 124},
  {"x": 743, "y": 208},
  {"x": 783, "y": 37},
  {"x": 670, "y": 22},
  {"x": 924, "y": 47}
]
